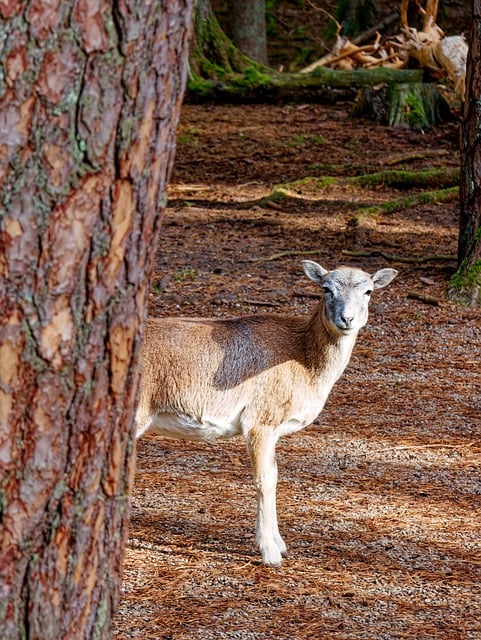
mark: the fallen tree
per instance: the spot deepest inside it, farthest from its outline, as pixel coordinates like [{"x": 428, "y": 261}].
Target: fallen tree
[
  {"x": 322, "y": 85},
  {"x": 220, "y": 72}
]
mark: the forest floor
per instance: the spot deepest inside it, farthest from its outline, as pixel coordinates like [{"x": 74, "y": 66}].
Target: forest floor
[{"x": 379, "y": 500}]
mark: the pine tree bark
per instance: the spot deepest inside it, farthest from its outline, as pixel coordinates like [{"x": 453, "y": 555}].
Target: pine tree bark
[
  {"x": 90, "y": 94},
  {"x": 465, "y": 286}
]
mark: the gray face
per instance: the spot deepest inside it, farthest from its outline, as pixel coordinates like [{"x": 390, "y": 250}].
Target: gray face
[{"x": 346, "y": 296}]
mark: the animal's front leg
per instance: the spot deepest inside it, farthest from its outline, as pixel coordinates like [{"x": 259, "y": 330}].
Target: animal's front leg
[
  {"x": 261, "y": 445},
  {"x": 275, "y": 528}
]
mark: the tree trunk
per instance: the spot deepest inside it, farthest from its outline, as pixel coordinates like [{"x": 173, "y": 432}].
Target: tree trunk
[
  {"x": 212, "y": 53},
  {"x": 465, "y": 285},
  {"x": 355, "y": 16},
  {"x": 90, "y": 96},
  {"x": 416, "y": 105},
  {"x": 247, "y": 26}
]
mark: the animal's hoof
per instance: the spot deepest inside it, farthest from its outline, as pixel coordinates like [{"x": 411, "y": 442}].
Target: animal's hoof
[
  {"x": 281, "y": 545},
  {"x": 272, "y": 558}
]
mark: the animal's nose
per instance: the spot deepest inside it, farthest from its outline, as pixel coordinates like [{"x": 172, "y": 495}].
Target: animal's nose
[{"x": 347, "y": 320}]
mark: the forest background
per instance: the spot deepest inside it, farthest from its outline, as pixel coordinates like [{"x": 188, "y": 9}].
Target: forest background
[{"x": 378, "y": 500}]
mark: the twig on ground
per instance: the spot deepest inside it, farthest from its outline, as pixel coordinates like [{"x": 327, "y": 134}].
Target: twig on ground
[
  {"x": 415, "y": 295},
  {"x": 283, "y": 254},
  {"x": 375, "y": 253},
  {"x": 413, "y": 155},
  {"x": 261, "y": 303},
  {"x": 414, "y": 447}
]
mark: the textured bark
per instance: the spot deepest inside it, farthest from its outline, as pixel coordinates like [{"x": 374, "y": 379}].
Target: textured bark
[
  {"x": 465, "y": 286},
  {"x": 89, "y": 98},
  {"x": 247, "y": 25},
  {"x": 416, "y": 105}
]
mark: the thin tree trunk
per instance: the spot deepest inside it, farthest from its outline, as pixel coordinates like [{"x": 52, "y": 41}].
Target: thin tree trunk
[
  {"x": 89, "y": 101},
  {"x": 212, "y": 53},
  {"x": 355, "y": 15},
  {"x": 465, "y": 286},
  {"x": 247, "y": 25}
]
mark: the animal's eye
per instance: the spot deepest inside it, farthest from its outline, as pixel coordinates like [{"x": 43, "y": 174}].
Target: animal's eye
[
  {"x": 368, "y": 292},
  {"x": 327, "y": 291}
]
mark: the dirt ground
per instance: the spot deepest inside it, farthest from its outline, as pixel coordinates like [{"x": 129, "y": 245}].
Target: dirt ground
[{"x": 378, "y": 500}]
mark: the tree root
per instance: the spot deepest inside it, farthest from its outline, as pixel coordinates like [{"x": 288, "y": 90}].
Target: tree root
[
  {"x": 399, "y": 204},
  {"x": 391, "y": 257},
  {"x": 447, "y": 178},
  {"x": 400, "y": 179},
  {"x": 414, "y": 155}
]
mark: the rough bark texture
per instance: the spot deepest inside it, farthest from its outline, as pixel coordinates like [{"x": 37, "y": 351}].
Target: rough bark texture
[
  {"x": 416, "y": 105},
  {"x": 247, "y": 26},
  {"x": 89, "y": 98},
  {"x": 465, "y": 285}
]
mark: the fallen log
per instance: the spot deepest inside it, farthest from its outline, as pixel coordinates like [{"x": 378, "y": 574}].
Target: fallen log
[{"x": 321, "y": 85}]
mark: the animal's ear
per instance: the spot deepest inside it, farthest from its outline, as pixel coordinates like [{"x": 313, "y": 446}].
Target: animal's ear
[
  {"x": 314, "y": 271},
  {"x": 383, "y": 277}
]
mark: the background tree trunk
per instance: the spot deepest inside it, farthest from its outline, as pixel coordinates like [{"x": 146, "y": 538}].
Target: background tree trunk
[
  {"x": 465, "y": 285},
  {"x": 89, "y": 101},
  {"x": 212, "y": 54},
  {"x": 247, "y": 26},
  {"x": 416, "y": 105}
]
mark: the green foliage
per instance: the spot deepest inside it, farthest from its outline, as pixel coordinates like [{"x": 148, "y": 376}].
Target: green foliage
[
  {"x": 184, "y": 273},
  {"x": 190, "y": 137},
  {"x": 300, "y": 140},
  {"x": 271, "y": 23}
]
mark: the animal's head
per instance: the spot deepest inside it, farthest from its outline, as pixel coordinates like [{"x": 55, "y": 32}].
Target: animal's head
[{"x": 346, "y": 292}]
